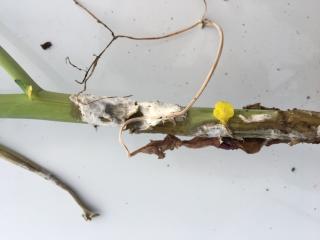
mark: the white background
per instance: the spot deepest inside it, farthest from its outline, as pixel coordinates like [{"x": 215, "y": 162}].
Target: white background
[{"x": 271, "y": 55}]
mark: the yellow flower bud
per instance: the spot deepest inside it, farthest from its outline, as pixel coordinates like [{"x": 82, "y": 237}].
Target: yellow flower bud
[
  {"x": 223, "y": 111},
  {"x": 29, "y": 92}
]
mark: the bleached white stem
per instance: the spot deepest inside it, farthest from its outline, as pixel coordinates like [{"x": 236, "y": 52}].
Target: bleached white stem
[{"x": 102, "y": 111}]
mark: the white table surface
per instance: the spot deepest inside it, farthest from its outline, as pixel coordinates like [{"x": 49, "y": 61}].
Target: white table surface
[{"x": 271, "y": 55}]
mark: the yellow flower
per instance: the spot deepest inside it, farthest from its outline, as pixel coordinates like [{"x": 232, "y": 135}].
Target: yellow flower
[
  {"x": 29, "y": 92},
  {"x": 223, "y": 111}
]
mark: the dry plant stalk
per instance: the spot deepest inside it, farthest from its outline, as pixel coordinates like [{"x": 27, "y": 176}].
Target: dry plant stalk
[{"x": 21, "y": 161}]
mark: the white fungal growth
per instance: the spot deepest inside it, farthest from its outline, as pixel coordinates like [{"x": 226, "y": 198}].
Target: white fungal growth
[
  {"x": 153, "y": 111},
  {"x": 318, "y": 131},
  {"x": 213, "y": 130},
  {"x": 105, "y": 110},
  {"x": 255, "y": 118}
]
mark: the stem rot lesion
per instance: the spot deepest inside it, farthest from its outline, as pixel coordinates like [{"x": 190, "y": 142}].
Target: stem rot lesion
[{"x": 203, "y": 22}]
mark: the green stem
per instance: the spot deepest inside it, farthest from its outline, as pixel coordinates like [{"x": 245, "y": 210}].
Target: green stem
[
  {"x": 291, "y": 125},
  {"x": 17, "y": 73},
  {"x": 46, "y": 106},
  {"x": 198, "y": 117},
  {"x": 37, "y": 104}
]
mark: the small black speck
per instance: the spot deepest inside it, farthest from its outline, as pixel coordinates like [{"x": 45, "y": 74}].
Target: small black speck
[
  {"x": 171, "y": 18},
  {"x": 267, "y": 189},
  {"x": 315, "y": 209},
  {"x": 308, "y": 97},
  {"x": 293, "y": 169},
  {"x": 168, "y": 165},
  {"x": 278, "y": 69},
  {"x": 226, "y": 73},
  {"x": 46, "y": 45}
]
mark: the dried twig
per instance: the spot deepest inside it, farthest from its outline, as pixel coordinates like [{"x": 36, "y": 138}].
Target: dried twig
[
  {"x": 68, "y": 61},
  {"x": 94, "y": 63},
  {"x": 26, "y": 163}
]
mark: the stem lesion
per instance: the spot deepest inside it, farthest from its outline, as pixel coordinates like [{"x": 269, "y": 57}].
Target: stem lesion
[{"x": 203, "y": 22}]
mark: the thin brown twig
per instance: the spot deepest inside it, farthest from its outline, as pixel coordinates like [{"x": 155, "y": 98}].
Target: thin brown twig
[
  {"x": 68, "y": 61},
  {"x": 94, "y": 16},
  {"x": 205, "y": 9},
  {"x": 94, "y": 63},
  {"x": 102, "y": 98},
  {"x": 183, "y": 30},
  {"x": 92, "y": 67},
  {"x": 21, "y": 161}
]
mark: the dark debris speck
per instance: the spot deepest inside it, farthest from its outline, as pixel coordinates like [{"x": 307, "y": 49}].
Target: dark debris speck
[{"x": 46, "y": 45}]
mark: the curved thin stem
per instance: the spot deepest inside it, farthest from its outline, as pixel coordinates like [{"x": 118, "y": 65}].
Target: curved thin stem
[
  {"x": 172, "y": 34},
  {"x": 26, "y": 163},
  {"x": 94, "y": 16},
  {"x": 93, "y": 65}
]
